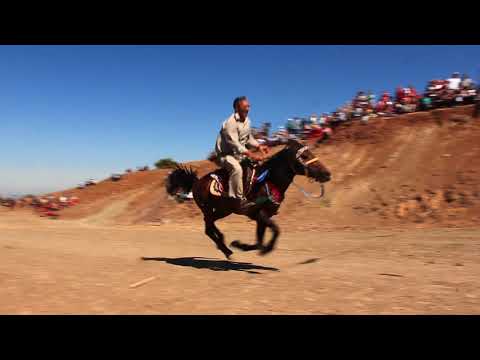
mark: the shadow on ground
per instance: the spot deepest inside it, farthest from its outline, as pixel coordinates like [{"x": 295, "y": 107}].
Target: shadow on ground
[{"x": 212, "y": 264}]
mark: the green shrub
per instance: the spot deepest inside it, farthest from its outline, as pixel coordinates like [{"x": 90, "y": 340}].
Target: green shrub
[{"x": 167, "y": 163}]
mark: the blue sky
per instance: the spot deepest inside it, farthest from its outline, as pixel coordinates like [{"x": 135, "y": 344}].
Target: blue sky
[{"x": 68, "y": 113}]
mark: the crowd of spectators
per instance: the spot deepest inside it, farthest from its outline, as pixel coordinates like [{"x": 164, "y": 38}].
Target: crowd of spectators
[{"x": 439, "y": 93}]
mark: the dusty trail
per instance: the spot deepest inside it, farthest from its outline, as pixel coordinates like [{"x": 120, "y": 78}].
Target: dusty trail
[{"x": 66, "y": 267}]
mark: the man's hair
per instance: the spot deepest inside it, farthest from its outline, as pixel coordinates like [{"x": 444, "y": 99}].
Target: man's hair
[{"x": 237, "y": 101}]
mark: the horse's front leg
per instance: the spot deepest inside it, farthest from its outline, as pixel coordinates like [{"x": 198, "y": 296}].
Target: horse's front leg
[
  {"x": 249, "y": 247},
  {"x": 261, "y": 227},
  {"x": 265, "y": 219}
]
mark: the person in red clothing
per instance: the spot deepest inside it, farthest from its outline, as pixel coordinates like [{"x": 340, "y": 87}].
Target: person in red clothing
[
  {"x": 385, "y": 105},
  {"x": 399, "y": 94},
  {"x": 407, "y": 99},
  {"x": 413, "y": 92},
  {"x": 413, "y": 98}
]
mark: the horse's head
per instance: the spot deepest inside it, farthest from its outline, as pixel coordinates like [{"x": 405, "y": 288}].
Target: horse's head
[{"x": 304, "y": 162}]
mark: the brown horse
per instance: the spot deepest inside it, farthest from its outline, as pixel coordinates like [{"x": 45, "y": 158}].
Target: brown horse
[{"x": 275, "y": 176}]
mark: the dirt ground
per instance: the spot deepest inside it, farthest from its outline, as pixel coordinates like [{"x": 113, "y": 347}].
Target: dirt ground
[
  {"x": 70, "y": 267},
  {"x": 397, "y": 233}
]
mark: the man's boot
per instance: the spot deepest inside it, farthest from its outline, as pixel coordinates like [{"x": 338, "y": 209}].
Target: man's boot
[{"x": 242, "y": 206}]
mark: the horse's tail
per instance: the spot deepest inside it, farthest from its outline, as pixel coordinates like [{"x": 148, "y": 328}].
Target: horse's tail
[{"x": 181, "y": 178}]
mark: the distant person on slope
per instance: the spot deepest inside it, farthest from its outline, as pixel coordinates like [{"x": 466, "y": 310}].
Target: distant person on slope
[
  {"x": 476, "y": 112},
  {"x": 467, "y": 82},
  {"x": 454, "y": 81}
]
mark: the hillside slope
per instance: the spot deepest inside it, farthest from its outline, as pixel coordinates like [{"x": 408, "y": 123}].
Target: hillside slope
[{"x": 419, "y": 169}]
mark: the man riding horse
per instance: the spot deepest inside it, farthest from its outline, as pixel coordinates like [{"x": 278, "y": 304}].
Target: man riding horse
[
  {"x": 265, "y": 191},
  {"x": 232, "y": 146}
]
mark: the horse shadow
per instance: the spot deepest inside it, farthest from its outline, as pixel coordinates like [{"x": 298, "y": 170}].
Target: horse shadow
[{"x": 212, "y": 264}]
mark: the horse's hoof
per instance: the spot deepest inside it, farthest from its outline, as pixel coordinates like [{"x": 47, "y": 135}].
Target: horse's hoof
[
  {"x": 236, "y": 244},
  {"x": 264, "y": 251},
  {"x": 228, "y": 254}
]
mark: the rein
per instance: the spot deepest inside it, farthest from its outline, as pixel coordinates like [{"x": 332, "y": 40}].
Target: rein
[{"x": 309, "y": 195}]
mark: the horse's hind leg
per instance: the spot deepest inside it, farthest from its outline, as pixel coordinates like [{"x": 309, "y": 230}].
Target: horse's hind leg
[{"x": 203, "y": 200}]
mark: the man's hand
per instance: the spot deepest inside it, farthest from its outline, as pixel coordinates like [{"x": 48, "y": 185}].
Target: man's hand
[
  {"x": 253, "y": 156},
  {"x": 263, "y": 149}
]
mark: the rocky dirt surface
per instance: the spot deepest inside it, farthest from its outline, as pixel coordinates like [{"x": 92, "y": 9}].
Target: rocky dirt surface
[{"x": 68, "y": 267}]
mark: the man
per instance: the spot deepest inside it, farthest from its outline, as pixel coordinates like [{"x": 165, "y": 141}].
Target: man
[
  {"x": 266, "y": 129},
  {"x": 371, "y": 99},
  {"x": 385, "y": 105},
  {"x": 235, "y": 142},
  {"x": 467, "y": 82},
  {"x": 454, "y": 81},
  {"x": 413, "y": 92},
  {"x": 399, "y": 94},
  {"x": 476, "y": 112},
  {"x": 292, "y": 127}
]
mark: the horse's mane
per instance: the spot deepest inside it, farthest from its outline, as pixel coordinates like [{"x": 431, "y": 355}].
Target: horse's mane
[{"x": 279, "y": 156}]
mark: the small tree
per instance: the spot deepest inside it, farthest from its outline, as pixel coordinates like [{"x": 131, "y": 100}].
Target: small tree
[{"x": 167, "y": 163}]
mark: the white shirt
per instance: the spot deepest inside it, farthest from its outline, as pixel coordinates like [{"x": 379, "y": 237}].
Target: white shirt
[
  {"x": 235, "y": 136},
  {"x": 454, "y": 83}
]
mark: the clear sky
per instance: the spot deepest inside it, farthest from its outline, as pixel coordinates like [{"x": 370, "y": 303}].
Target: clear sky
[{"x": 69, "y": 113}]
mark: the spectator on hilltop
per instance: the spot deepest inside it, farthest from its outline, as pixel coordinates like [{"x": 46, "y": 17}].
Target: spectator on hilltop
[
  {"x": 322, "y": 119},
  {"x": 348, "y": 110},
  {"x": 476, "y": 112},
  {"x": 467, "y": 83},
  {"x": 313, "y": 119},
  {"x": 399, "y": 94},
  {"x": 454, "y": 81},
  {"x": 371, "y": 99},
  {"x": 385, "y": 105},
  {"x": 293, "y": 127},
  {"x": 405, "y": 94},
  {"x": 360, "y": 104},
  {"x": 413, "y": 93},
  {"x": 406, "y": 100},
  {"x": 265, "y": 129},
  {"x": 361, "y": 99}
]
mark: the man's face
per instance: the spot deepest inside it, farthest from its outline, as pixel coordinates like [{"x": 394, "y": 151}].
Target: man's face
[{"x": 243, "y": 107}]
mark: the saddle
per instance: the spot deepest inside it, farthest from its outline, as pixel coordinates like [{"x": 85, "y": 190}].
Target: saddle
[
  {"x": 251, "y": 179},
  {"x": 219, "y": 184}
]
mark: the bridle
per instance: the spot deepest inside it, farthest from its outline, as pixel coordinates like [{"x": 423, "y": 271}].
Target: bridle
[
  {"x": 305, "y": 164},
  {"x": 298, "y": 157}
]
